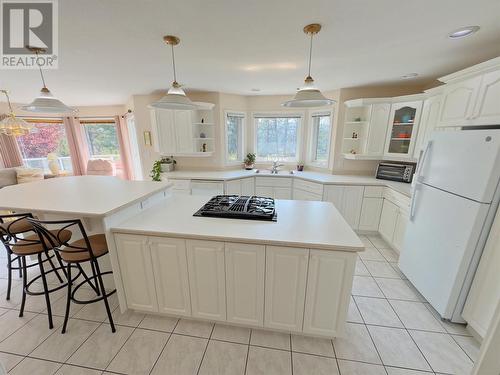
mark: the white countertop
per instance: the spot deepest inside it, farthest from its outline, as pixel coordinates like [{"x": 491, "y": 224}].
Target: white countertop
[
  {"x": 324, "y": 178},
  {"x": 77, "y": 195},
  {"x": 314, "y": 225}
]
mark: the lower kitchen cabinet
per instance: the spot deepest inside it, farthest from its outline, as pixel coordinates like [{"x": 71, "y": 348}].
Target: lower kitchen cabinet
[
  {"x": 348, "y": 200},
  {"x": 137, "y": 272},
  {"x": 171, "y": 275},
  {"x": 303, "y": 195},
  {"x": 286, "y": 273},
  {"x": 242, "y": 186},
  {"x": 388, "y": 219},
  {"x": 400, "y": 230},
  {"x": 370, "y": 214},
  {"x": 245, "y": 267},
  {"x": 328, "y": 273},
  {"x": 207, "y": 282}
]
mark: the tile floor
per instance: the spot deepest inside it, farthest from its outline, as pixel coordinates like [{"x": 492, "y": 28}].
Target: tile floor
[{"x": 391, "y": 330}]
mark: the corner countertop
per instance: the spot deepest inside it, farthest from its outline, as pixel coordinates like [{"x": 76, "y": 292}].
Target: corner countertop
[
  {"x": 77, "y": 195},
  {"x": 307, "y": 224},
  {"x": 323, "y": 178}
]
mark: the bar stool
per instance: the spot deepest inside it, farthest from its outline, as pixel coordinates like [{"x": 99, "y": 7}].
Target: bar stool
[
  {"x": 74, "y": 254},
  {"x": 11, "y": 227},
  {"x": 33, "y": 245}
]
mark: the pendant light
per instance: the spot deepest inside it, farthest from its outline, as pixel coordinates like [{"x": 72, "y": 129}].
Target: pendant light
[
  {"x": 12, "y": 125},
  {"x": 309, "y": 95},
  {"x": 46, "y": 102},
  {"x": 176, "y": 97}
]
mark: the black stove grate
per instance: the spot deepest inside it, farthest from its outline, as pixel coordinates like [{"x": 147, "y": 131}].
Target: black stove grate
[{"x": 239, "y": 207}]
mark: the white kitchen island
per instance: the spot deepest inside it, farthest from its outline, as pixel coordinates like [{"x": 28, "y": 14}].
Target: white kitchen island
[{"x": 292, "y": 275}]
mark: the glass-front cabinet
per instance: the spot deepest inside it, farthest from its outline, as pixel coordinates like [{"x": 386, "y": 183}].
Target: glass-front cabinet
[{"x": 403, "y": 128}]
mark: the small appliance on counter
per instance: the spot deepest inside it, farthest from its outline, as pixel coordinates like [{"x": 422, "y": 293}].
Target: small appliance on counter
[
  {"x": 401, "y": 172},
  {"x": 239, "y": 207}
]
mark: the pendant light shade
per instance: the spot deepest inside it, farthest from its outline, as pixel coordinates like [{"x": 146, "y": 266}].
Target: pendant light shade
[
  {"x": 308, "y": 95},
  {"x": 176, "y": 97},
  {"x": 12, "y": 125},
  {"x": 46, "y": 102}
]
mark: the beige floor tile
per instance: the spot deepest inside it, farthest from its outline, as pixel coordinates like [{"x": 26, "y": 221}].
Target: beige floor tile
[
  {"x": 442, "y": 352},
  {"x": 270, "y": 339},
  {"x": 380, "y": 269},
  {"x": 403, "y": 371},
  {"x": 396, "y": 289},
  {"x": 182, "y": 356},
  {"x": 305, "y": 364},
  {"x": 389, "y": 254},
  {"x": 35, "y": 366},
  {"x": 225, "y": 332},
  {"x": 361, "y": 269},
  {"x": 356, "y": 345},
  {"x": 358, "y": 368},
  {"x": 16, "y": 282},
  {"x": 158, "y": 323},
  {"x": 395, "y": 266},
  {"x": 365, "y": 286},
  {"x": 194, "y": 328},
  {"x": 97, "y": 311},
  {"x": 397, "y": 348},
  {"x": 11, "y": 322},
  {"x": 378, "y": 242},
  {"x": 59, "y": 347},
  {"x": 75, "y": 370},
  {"x": 415, "y": 315},
  {"x": 32, "y": 334},
  {"x": 264, "y": 361},
  {"x": 101, "y": 347},
  {"x": 371, "y": 253},
  {"x": 366, "y": 241},
  {"x": 353, "y": 314},
  {"x": 224, "y": 358},
  {"x": 453, "y": 328},
  {"x": 312, "y": 345},
  {"x": 377, "y": 311},
  {"x": 8, "y": 361},
  {"x": 129, "y": 318},
  {"x": 140, "y": 352},
  {"x": 469, "y": 344}
]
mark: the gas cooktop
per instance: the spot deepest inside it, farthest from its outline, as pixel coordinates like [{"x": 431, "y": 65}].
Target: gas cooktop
[{"x": 239, "y": 207}]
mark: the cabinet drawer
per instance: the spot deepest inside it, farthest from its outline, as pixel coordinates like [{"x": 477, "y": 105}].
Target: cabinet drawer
[
  {"x": 374, "y": 191},
  {"x": 181, "y": 184},
  {"x": 273, "y": 181},
  {"x": 401, "y": 200},
  {"x": 311, "y": 187}
]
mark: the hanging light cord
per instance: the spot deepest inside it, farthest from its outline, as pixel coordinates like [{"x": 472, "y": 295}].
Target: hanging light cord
[
  {"x": 310, "y": 54},
  {"x": 40, "y": 69},
  {"x": 8, "y": 101},
  {"x": 173, "y": 63}
]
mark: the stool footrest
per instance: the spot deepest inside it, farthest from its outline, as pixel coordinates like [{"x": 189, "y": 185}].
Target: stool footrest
[{"x": 99, "y": 298}]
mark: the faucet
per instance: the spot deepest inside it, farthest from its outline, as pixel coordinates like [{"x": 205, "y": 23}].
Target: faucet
[{"x": 275, "y": 167}]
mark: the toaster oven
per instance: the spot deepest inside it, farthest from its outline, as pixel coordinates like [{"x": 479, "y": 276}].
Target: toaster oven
[{"x": 402, "y": 172}]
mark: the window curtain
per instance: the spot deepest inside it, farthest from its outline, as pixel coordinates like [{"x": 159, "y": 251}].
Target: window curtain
[
  {"x": 77, "y": 145},
  {"x": 10, "y": 154},
  {"x": 124, "y": 142}
]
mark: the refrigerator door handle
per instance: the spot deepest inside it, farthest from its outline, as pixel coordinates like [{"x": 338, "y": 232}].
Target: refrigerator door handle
[
  {"x": 420, "y": 177},
  {"x": 413, "y": 201}
]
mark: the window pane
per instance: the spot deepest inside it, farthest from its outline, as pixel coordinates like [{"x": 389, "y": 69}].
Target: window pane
[
  {"x": 233, "y": 131},
  {"x": 322, "y": 131},
  {"x": 47, "y": 138},
  {"x": 102, "y": 143},
  {"x": 277, "y": 137}
]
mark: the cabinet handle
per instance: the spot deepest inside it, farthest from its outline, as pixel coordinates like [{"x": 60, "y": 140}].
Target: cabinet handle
[
  {"x": 419, "y": 176},
  {"x": 413, "y": 202}
]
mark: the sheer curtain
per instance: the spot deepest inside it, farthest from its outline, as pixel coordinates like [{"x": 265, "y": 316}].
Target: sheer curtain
[
  {"x": 77, "y": 145},
  {"x": 124, "y": 141},
  {"x": 10, "y": 155}
]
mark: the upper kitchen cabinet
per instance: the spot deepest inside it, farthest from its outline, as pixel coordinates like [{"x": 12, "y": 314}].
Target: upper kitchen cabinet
[
  {"x": 402, "y": 131},
  {"x": 184, "y": 132},
  {"x": 471, "y": 97},
  {"x": 365, "y": 128},
  {"x": 428, "y": 121}
]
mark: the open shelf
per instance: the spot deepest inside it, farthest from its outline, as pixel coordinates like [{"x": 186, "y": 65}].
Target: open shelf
[
  {"x": 355, "y": 122},
  {"x": 205, "y": 139},
  {"x": 403, "y": 123},
  {"x": 204, "y": 123},
  {"x": 350, "y": 156},
  {"x": 194, "y": 154},
  {"x": 351, "y": 139},
  {"x": 401, "y": 139}
]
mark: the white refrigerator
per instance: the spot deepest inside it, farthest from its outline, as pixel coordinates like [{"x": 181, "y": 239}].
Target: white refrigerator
[{"x": 455, "y": 197}]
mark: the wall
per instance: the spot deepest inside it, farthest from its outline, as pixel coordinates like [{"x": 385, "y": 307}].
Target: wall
[{"x": 86, "y": 111}]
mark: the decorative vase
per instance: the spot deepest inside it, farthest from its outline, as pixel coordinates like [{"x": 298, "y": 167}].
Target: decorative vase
[
  {"x": 167, "y": 167},
  {"x": 249, "y": 167},
  {"x": 53, "y": 163}
]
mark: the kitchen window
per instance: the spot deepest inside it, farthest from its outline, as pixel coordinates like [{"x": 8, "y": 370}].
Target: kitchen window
[
  {"x": 235, "y": 122},
  {"x": 321, "y": 129},
  {"x": 48, "y": 137},
  {"x": 276, "y": 137}
]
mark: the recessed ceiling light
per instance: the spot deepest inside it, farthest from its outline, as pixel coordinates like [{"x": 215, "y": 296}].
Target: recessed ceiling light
[
  {"x": 409, "y": 76},
  {"x": 463, "y": 32}
]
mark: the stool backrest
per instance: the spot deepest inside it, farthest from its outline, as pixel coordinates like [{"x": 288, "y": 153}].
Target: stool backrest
[{"x": 9, "y": 222}]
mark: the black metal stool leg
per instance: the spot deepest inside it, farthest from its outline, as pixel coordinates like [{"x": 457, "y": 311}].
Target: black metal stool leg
[
  {"x": 88, "y": 280},
  {"x": 68, "y": 299},
  {"x": 25, "y": 281},
  {"x": 19, "y": 266},
  {"x": 46, "y": 292},
  {"x": 9, "y": 274},
  {"x": 53, "y": 267},
  {"x": 95, "y": 278},
  {"x": 103, "y": 291}
]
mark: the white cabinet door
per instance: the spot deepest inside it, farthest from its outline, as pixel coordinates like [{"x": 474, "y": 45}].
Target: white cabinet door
[
  {"x": 163, "y": 131},
  {"x": 233, "y": 187},
  {"x": 171, "y": 275},
  {"x": 207, "y": 279},
  {"x": 487, "y": 108},
  {"x": 335, "y": 194},
  {"x": 286, "y": 272},
  {"x": 428, "y": 121},
  {"x": 403, "y": 129},
  {"x": 353, "y": 200},
  {"x": 248, "y": 186},
  {"x": 329, "y": 281},
  {"x": 184, "y": 131},
  {"x": 302, "y": 195},
  {"x": 458, "y": 102},
  {"x": 370, "y": 214},
  {"x": 388, "y": 219},
  {"x": 245, "y": 268},
  {"x": 137, "y": 272},
  {"x": 264, "y": 191},
  {"x": 377, "y": 129},
  {"x": 282, "y": 193},
  {"x": 400, "y": 230}
]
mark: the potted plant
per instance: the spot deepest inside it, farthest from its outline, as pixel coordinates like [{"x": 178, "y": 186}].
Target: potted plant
[
  {"x": 249, "y": 161},
  {"x": 165, "y": 164},
  {"x": 156, "y": 171}
]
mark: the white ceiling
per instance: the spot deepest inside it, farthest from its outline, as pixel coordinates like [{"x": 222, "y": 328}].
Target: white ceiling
[{"x": 112, "y": 49}]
